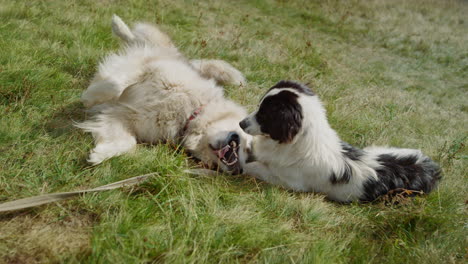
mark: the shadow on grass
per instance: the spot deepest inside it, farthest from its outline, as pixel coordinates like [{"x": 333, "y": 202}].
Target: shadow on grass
[
  {"x": 60, "y": 126},
  {"x": 32, "y": 212},
  {"x": 62, "y": 120}
]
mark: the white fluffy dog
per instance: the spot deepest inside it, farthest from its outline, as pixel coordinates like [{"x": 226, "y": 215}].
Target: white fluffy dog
[
  {"x": 150, "y": 93},
  {"x": 295, "y": 147}
]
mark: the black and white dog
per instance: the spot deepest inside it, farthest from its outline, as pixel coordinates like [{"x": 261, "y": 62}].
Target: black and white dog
[{"x": 295, "y": 147}]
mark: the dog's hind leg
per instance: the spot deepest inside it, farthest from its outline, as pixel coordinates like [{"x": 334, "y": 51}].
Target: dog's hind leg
[
  {"x": 120, "y": 70},
  {"x": 100, "y": 91},
  {"x": 150, "y": 34},
  {"x": 219, "y": 70},
  {"x": 115, "y": 73},
  {"x": 147, "y": 34},
  {"x": 111, "y": 136}
]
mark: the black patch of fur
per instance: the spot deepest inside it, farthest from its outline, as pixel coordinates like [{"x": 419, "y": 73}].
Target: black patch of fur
[
  {"x": 402, "y": 173},
  {"x": 250, "y": 155},
  {"x": 344, "y": 178},
  {"x": 351, "y": 152},
  {"x": 301, "y": 88},
  {"x": 280, "y": 116}
]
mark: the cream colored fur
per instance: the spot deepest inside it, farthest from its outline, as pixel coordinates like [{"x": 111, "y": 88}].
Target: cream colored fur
[{"x": 147, "y": 92}]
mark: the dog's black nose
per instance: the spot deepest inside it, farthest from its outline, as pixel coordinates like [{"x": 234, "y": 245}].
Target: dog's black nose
[
  {"x": 233, "y": 136},
  {"x": 244, "y": 123}
]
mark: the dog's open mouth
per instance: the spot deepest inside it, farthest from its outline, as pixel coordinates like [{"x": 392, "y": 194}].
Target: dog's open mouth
[{"x": 229, "y": 155}]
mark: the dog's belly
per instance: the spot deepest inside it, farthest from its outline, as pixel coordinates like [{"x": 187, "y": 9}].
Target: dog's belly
[
  {"x": 166, "y": 96},
  {"x": 157, "y": 114},
  {"x": 158, "y": 128},
  {"x": 161, "y": 118}
]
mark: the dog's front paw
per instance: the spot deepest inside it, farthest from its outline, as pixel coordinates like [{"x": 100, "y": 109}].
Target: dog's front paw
[
  {"x": 228, "y": 74},
  {"x": 104, "y": 151},
  {"x": 101, "y": 153},
  {"x": 96, "y": 157},
  {"x": 219, "y": 70},
  {"x": 258, "y": 170},
  {"x": 236, "y": 78}
]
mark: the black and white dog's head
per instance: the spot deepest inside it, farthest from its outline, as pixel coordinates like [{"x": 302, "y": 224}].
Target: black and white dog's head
[{"x": 280, "y": 114}]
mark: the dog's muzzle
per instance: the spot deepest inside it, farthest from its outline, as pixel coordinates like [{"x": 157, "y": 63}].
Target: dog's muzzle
[
  {"x": 244, "y": 124},
  {"x": 227, "y": 152}
]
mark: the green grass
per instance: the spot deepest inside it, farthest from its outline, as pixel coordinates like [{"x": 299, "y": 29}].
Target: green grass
[{"x": 390, "y": 73}]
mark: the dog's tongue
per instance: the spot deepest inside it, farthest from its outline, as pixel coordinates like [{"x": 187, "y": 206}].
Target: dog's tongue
[{"x": 222, "y": 152}]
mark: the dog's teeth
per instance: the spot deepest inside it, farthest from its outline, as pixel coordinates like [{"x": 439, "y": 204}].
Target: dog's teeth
[{"x": 231, "y": 163}]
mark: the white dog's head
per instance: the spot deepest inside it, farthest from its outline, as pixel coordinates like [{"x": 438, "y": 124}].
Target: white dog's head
[
  {"x": 280, "y": 113},
  {"x": 229, "y": 145},
  {"x": 221, "y": 143}
]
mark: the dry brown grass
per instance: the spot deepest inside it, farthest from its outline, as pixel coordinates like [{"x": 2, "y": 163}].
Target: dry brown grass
[{"x": 46, "y": 237}]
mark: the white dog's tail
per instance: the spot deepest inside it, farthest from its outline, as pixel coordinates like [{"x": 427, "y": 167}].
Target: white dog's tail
[
  {"x": 121, "y": 30},
  {"x": 141, "y": 33},
  {"x": 147, "y": 34}
]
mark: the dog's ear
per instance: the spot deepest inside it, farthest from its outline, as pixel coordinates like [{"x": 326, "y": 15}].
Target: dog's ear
[
  {"x": 289, "y": 121},
  {"x": 280, "y": 116},
  {"x": 298, "y": 87}
]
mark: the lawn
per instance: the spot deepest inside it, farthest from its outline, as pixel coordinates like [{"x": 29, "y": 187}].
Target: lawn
[{"x": 390, "y": 72}]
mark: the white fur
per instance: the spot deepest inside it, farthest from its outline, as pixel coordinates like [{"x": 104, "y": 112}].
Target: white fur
[
  {"x": 219, "y": 70},
  {"x": 148, "y": 91}
]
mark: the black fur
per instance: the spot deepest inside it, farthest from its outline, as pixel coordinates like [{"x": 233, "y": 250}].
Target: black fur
[
  {"x": 351, "y": 152},
  {"x": 402, "y": 173},
  {"x": 301, "y": 88},
  {"x": 344, "y": 178},
  {"x": 250, "y": 155},
  {"x": 280, "y": 116}
]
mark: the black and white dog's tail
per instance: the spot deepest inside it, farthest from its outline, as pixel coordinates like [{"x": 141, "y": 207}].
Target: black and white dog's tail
[{"x": 400, "y": 169}]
